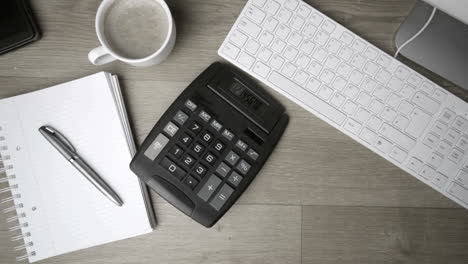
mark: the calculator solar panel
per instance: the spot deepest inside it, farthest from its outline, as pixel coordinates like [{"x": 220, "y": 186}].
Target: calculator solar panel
[{"x": 211, "y": 143}]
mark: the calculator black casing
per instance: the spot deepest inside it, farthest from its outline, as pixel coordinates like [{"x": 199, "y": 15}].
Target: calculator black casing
[{"x": 265, "y": 129}]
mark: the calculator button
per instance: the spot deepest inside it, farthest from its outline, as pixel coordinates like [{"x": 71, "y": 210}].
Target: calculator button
[
  {"x": 252, "y": 154},
  {"x": 221, "y": 197},
  {"x": 210, "y": 158},
  {"x": 235, "y": 179},
  {"x": 208, "y": 189},
  {"x": 242, "y": 145},
  {"x": 216, "y": 125},
  {"x": 228, "y": 134},
  {"x": 198, "y": 149},
  {"x": 205, "y": 116},
  {"x": 176, "y": 151},
  {"x": 207, "y": 137},
  {"x": 186, "y": 139},
  {"x": 191, "y": 105},
  {"x": 188, "y": 160},
  {"x": 243, "y": 167},
  {"x": 181, "y": 117},
  {"x": 223, "y": 169},
  {"x": 171, "y": 129},
  {"x": 173, "y": 168},
  {"x": 232, "y": 158},
  {"x": 218, "y": 146},
  {"x": 191, "y": 182},
  {"x": 200, "y": 170},
  {"x": 155, "y": 148},
  {"x": 195, "y": 128}
]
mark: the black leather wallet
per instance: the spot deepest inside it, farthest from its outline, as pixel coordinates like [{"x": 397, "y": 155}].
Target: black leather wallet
[{"x": 17, "y": 25}]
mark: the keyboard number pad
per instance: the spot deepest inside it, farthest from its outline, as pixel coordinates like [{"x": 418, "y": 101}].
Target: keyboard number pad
[{"x": 207, "y": 158}]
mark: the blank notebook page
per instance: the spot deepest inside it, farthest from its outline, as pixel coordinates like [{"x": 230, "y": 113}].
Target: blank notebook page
[{"x": 63, "y": 210}]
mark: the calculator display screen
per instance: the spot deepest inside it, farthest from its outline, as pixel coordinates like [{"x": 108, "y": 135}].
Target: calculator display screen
[{"x": 247, "y": 97}]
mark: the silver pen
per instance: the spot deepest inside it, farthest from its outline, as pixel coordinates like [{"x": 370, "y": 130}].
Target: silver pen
[{"x": 67, "y": 150}]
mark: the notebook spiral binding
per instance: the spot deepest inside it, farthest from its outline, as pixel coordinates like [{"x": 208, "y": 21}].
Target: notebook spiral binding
[{"x": 10, "y": 178}]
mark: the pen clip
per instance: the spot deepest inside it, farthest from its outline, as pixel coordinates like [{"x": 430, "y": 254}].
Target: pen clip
[{"x": 62, "y": 138}]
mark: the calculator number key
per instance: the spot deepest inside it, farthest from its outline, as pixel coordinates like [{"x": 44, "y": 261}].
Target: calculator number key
[
  {"x": 188, "y": 160},
  {"x": 210, "y": 158},
  {"x": 176, "y": 151},
  {"x": 186, "y": 139},
  {"x": 171, "y": 129},
  {"x": 218, "y": 146},
  {"x": 207, "y": 137},
  {"x": 198, "y": 149},
  {"x": 200, "y": 170},
  {"x": 173, "y": 168},
  {"x": 195, "y": 128}
]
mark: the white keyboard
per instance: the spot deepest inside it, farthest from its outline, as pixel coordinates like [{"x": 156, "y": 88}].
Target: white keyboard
[{"x": 357, "y": 88}]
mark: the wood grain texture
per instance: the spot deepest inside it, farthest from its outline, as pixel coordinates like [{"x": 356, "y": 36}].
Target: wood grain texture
[
  {"x": 315, "y": 165},
  {"x": 352, "y": 235}
]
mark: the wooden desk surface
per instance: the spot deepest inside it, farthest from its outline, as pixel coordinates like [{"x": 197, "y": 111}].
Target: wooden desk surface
[{"x": 322, "y": 198}]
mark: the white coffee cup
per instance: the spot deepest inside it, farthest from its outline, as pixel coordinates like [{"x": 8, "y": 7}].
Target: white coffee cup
[{"x": 107, "y": 53}]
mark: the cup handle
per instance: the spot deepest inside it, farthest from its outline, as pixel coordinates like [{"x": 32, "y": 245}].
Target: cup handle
[{"x": 100, "y": 56}]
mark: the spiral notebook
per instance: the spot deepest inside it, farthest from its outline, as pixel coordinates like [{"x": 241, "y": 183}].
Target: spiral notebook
[{"x": 57, "y": 209}]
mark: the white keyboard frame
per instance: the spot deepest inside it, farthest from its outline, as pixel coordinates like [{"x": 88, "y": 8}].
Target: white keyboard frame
[{"x": 420, "y": 151}]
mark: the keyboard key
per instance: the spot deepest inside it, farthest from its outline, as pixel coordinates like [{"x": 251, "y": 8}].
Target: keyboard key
[
  {"x": 231, "y": 51},
  {"x": 228, "y": 134},
  {"x": 325, "y": 92},
  {"x": 401, "y": 122},
  {"x": 439, "y": 95},
  {"x": 195, "y": 128},
  {"x": 358, "y": 61},
  {"x": 395, "y": 84},
  {"x": 302, "y": 61},
  {"x": 370, "y": 69},
  {"x": 376, "y": 106},
  {"x": 370, "y": 53},
  {"x": 427, "y": 172},
  {"x": 200, "y": 170},
  {"x": 337, "y": 100},
  {"x": 307, "y": 46},
  {"x": 415, "y": 80},
  {"x": 327, "y": 76},
  {"x": 358, "y": 45},
  {"x": 388, "y": 114},
  {"x": 346, "y": 53},
  {"x": 208, "y": 189},
  {"x": 444, "y": 148},
  {"x": 284, "y": 15},
  {"x": 344, "y": 70},
  {"x": 171, "y": 129},
  {"x": 191, "y": 182},
  {"x": 407, "y": 92},
  {"x": 290, "y": 53},
  {"x": 368, "y": 85},
  {"x": 431, "y": 141},
  {"x": 207, "y": 137},
  {"x": 452, "y": 136},
  {"x": 223, "y": 169},
  {"x": 173, "y": 168},
  {"x": 216, "y": 125},
  {"x": 427, "y": 87},
  {"x": 210, "y": 158},
  {"x": 329, "y": 26},
  {"x": 456, "y": 156},
  {"x": 297, "y": 22},
  {"x": 238, "y": 38},
  {"x": 384, "y": 60},
  {"x": 176, "y": 151},
  {"x": 459, "y": 192},
  {"x": 398, "y": 154},
  {"x": 309, "y": 31},
  {"x": 246, "y": 60},
  {"x": 249, "y": 27},
  {"x": 235, "y": 178},
  {"x": 252, "y": 46},
  {"x": 333, "y": 46},
  {"x": 463, "y": 143},
  {"x": 181, "y": 117},
  {"x": 352, "y": 126},
  {"x": 204, "y": 116},
  {"x": 301, "y": 77},
  {"x": 191, "y": 105},
  {"x": 402, "y": 73},
  {"x": 259, "y": 3},
  {"x": 261, "y": 69},
  {"x": 362, "y": 115},
  {"x": 440, "y": 180},
  {"x": 398, "y": 137},
  {"x": 368, "y": 136},
  {"x": 303, "y": 10},
  {"x": 381, "y": 93},
  {"x": 232, "y": 158},
  {"x": 347, "y": 38},
  {"x": 394, "y": 100},
  {"x": 243, "y": 167},
  {"x": 283, "y": 31},
  {"x": 462, "y": 178},
  {"x": 266, "y": 38},
  {"x": 316, "y": 18},
  {"x": 426, "y": 103},
  {"x": 221, "y": 197},
  {"x": 313, "y": 85},
  {"x": 447, "y": 116},
  {"x": 270, "y": 23},
  {"x": 295, "y": 39},
  {"x": 414, "y": 164},
  {"x": 188, "y": 160},
  {"x": 198, "y": 149},
  {"x": 419, "y": 122},
  {"x": 218, "y": 146},
  {"x": 383, "y": 76},
  {"x": 320, "y": 55},
  {"x": 383, "y": 145},
  {"x": 289, "y": 69},
  {"x": 349, "y": 107},
  {"x": 276, "y": 62},
  {"x": 321, "y": 38},
  {"x": 252, "y": 154},
  {"x": 265, "y": 54},
  {"x": 156, "y": 147},
  {"x": 255, "y": 14},
  {"x": 312, "y": 101},
  {"x": 435, "y": 160},
  {"x": 351, "y": 91},
  {"x": 460, "y": 124},
  {"x": 405, "y": 108},
  {"x": 332, "y": 62},
  {"x": 339, "y": 83}
]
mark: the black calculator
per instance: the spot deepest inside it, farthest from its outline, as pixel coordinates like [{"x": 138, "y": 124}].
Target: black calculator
[{"x": 210, "y": 144}]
